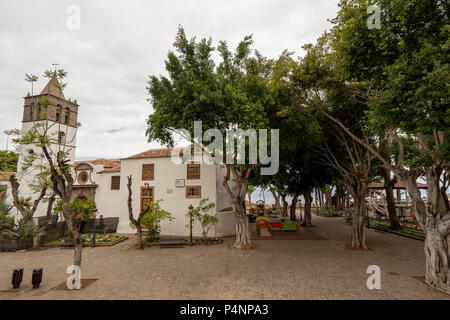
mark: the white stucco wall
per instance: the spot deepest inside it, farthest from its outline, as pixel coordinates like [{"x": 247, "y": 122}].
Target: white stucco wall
[
  {"x": 113, "y": 203},
  {"x": 225, "y": 214},
  {"x": 25, "y": 178}
]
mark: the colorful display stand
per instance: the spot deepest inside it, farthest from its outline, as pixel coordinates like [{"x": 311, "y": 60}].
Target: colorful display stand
[
  {"x": 290, "y": 226},
  {"x": 262, "y": 224}
]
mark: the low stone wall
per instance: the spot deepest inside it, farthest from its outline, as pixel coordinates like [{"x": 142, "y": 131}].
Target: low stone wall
[
  {"x": 15, "y": 245},
  {"x": 55, "y": 231},
  {"x": 59, "y": 230},
  {"x": 109, "y": 225}
]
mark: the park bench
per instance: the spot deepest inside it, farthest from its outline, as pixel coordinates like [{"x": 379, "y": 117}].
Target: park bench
[
  {"x": 171, "y": 242},
  {"x": 69, "y": 242}
]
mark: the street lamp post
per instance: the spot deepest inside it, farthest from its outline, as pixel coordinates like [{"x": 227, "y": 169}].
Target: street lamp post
[{"x": 190, "y": 224}]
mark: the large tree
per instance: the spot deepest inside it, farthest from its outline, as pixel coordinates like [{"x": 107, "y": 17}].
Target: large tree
[
  {"x": 231, "y": 95},
  {"x": 401, "y": 73}
]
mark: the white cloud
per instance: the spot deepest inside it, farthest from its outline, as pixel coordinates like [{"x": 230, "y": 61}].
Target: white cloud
[{"x": 120, "y": 44}]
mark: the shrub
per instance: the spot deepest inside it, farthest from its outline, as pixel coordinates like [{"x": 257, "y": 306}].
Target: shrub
[
  {"x": 152, "y": 220},
  {"x": 200, "y": 213}
]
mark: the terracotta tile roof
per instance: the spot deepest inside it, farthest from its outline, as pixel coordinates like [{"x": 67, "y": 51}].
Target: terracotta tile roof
[
  {"x": 4, "y": 176},
  {"x": 115, "y": 169},
  {"x": 154, "y": 153},
  {"x": 109, "y": 165},
  {"x": 398, "y": 185}
]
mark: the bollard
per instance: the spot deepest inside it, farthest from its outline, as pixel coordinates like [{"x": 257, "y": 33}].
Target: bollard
[
  {"x": 17, "y": 277},
  {"x": 36, "y": 278}
]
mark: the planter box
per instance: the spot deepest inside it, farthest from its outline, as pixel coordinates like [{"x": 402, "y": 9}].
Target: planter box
[
  {"x": 70, "y": 243},
  {"x": 23, "y": 244},
  {"x": 109, "y": 225},
  {"x": 8, "y": 245},
  {"x": 16, "y": 245}
]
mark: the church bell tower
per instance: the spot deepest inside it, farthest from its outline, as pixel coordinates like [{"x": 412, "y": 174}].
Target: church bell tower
[{"x": 61, "y": 119}]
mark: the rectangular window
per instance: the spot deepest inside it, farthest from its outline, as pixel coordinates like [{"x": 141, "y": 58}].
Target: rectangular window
[
  {"x": 115, "y": 183},
  {"x": 148, "y": 171},
  {"x": 193, "y": 171},
  {"x": 193, "y": 192}
]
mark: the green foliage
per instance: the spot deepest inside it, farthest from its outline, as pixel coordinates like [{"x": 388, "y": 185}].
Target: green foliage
[
  {"x": 402, "y": 69},
  {"x": 6, "y": 217},
  {"x": 8, "y": 161},
  {"x": 100, "y": 239},
  {"x": 201, "y": 214},
  {"x": 233, "y": 94},
  {"x": 80, "y": 209},
  {"x": 25, "y": 228},
  {"x": 332, "y": 213},
  {"x": 152, "y": 220},
  {"x": 25, "y": 202}
]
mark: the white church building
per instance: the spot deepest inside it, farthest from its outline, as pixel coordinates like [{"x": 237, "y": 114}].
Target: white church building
[{"x": 154, "y": 174}]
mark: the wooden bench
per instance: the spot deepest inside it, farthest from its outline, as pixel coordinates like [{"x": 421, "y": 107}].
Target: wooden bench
[
  {"x": 171, "y": 242},
  {"x": 70, "y": 243}
]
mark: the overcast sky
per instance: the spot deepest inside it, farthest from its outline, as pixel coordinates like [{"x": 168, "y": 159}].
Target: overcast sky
[{"x": 120, "y": 43}]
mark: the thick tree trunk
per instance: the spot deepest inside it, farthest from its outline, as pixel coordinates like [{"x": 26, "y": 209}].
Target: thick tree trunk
[
  {"x": 276, "y": 197},
  {"x": 339, "y": 195},
  {"x": 294, "y": 206},
  {"x": 316, "y": 201},
  {"x": 243, "y": 236},
  {"x": 285, "y": 206},
  {"x": 358, "y": 235},
  {"x": 78, "y": 248},
  {"x": 388, "y": 187},
  {"x": 51, "y": 201},
  {"x": 307, "y": 218},
  {"x": 437, "y": 229},
  {"x": 347, "y": 201},
  {"x": 237, "y": 197},
  {"x": 437, "y": 257},
  {"x": 300, "y": 216},
  {"x": 319, "y": 194},
  {"x": 329, "y": 202},
  {"x": 36, "y": 240},
  {"x": 444, "y": 196}
]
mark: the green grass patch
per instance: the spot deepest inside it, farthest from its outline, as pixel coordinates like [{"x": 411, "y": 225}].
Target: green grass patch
[
  {"x": 186, "y": 241},
  {"x": 331, "y": 213},
  {"x": 408, "y": 232},
  {"x": 100, "y": 238}
]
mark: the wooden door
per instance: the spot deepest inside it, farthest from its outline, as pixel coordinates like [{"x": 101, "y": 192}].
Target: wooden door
[{"x": 146, "y": 194}]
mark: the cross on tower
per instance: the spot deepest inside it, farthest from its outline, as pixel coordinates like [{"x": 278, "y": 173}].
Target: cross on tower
[{"x": 55, "y": 65}]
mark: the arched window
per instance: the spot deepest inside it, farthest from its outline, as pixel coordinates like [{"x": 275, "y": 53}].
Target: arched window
[
  {"x": 67, "y": 116},
  {"x": 37, "y": 111},
  {"x": 61, "y": 138},
  {"x": 58, "y": 113}
]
